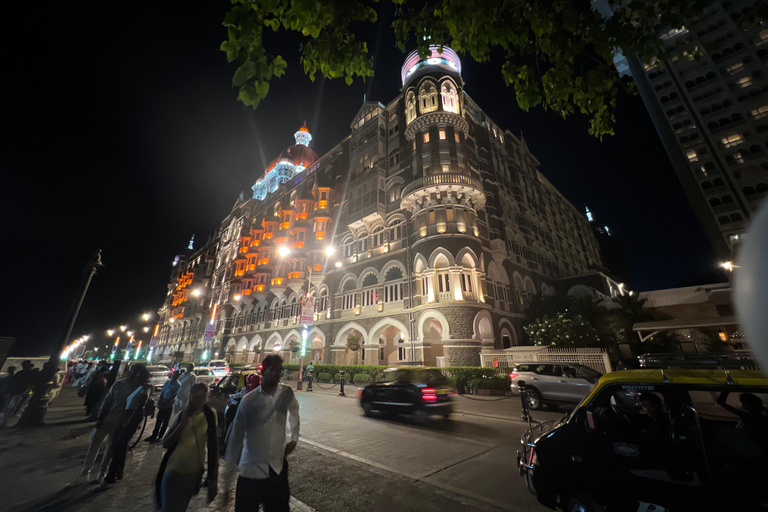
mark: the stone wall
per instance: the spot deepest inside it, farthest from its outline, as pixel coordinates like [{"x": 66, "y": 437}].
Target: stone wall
[{"x": 463, "y": 354}]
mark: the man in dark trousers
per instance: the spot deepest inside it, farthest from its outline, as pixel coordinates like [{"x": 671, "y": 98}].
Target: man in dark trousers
[
  {"x": 164, "y": 408},
  {"x": 17, "y": 390},
  {"x": 129, "y": 422},
  {"x": 257, "y": 443}
]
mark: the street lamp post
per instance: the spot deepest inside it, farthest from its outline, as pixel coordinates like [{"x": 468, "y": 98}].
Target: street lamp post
[{"x": 35, "y": 412}]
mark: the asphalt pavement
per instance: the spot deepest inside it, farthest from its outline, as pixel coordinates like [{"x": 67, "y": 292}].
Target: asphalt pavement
[{"x": 344, "y": 462}]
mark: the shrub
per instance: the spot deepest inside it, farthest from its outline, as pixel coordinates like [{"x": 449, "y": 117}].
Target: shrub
[
  {"x": 463, "y": 374},
  {"x": 336, "y": 377},
  {"x": 361, "y": 378},
  {"x": 472, "y": 383},
  {"x": 323, "y": 377},
  {"x": 492, "y": 383}
]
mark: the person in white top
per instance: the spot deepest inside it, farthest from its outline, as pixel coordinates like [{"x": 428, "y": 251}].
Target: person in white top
[
  {"x": 186, "y": 381},
  {"x": 256, "y": 442}
]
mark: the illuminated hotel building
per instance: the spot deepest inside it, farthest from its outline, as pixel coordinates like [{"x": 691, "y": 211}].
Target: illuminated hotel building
[
  {"x": 441, "y": 229},
  {"x": 709, "y": 103}
]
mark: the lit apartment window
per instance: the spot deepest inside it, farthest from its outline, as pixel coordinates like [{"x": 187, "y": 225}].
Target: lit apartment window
[
  {"x": 442, "y": 134},
  {"x": 760, "y": 113},
  {"x": 744, "y": 81},
  {"x": 762, "y": 38},
  {"x": 732, "y": 140},
  {"x": 734, "y": 67},
  {"x": 426, "y": 138},
  {"x": 692, "y": 156},
  {"x": 738, "y": 156},
  {"x": 446, "y": 168},
  {"x": 456, "y": 135}
]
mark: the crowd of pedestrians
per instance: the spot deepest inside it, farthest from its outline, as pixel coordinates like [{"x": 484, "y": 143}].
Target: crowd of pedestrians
[{"x": 256, "y": 444}]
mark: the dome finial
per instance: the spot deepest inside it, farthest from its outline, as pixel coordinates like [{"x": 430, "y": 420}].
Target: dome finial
[{"x": 303, "y": 137}]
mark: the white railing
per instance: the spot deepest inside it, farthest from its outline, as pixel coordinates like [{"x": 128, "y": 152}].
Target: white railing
[
  {"x": 445, "y": 296},
  {"x": 595, "y": 358}
]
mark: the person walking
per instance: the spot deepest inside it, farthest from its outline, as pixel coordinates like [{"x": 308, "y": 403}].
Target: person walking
[
  {"x": 309, "y": 373},
  {"x": 186, "y": 381},
  {"x": 107, "y": 421},
  {"x": 181, "y": 470},
  {"x": 18, "y": 388},
  {"x": 256, "y": 443},
  {"x": 165, "y": 407},
  {"x": 4, "y": 387},
  {"x": 95, "y": 393}
]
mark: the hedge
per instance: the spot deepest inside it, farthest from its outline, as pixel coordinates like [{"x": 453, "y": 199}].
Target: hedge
[
  {"x": 476, "y": 383},
  {"x": 459, "y": 376},
  {"x": 323, "y": 377},
  {"x": 362, "y": 378}
]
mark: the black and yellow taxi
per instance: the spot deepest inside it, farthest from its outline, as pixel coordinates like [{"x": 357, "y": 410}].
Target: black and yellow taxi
[
  {"x": 414, "y": 390},
  {"x": 656, "y": 440},
  {"x": 219, "y": 396}
]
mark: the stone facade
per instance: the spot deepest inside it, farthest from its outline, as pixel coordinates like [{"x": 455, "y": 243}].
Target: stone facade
[{"x": 424, "y": 233}]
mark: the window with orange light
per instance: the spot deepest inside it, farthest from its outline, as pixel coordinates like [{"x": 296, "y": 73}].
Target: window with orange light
[
  {"x": 298, "y": 245},
  {"x": 320, "y": 235},
  {"x": 318, "y": 267},
  {"x": 259, "y": 287}
]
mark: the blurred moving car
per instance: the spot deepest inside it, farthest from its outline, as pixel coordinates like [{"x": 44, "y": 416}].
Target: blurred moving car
[
  {"x": 219, "y": 367},
  {"x": 661, "y": 439},
  {"x": 553, "y": 383},
  {"x": 205, "y": 375},
  {"x": 219, "y": 398},
  {"x": 158, "y": 375},
  {"x": 421, "y": 392}
]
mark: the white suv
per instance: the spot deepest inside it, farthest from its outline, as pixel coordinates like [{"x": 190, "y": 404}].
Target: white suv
[
  {"x": 219, "y": 367},
  {"x": 553, "y": 383}
]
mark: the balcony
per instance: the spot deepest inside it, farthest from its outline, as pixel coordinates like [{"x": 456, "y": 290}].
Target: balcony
[
  {"x": 367, "y": 214},
  {"x": 453, "y": 183}
]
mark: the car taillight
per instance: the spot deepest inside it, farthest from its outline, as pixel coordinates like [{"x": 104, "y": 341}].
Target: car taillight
[
  {"x": 226, "y": 369},
  {"x": 169, "y": 375},
  {"x": 513, "y": 375},
  {"x": 533, "y": 458},
  {"x": 429, "y": 394}
]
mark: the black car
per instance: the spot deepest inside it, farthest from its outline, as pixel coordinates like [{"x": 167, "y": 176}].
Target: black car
[{"x": 421, "y": 392}]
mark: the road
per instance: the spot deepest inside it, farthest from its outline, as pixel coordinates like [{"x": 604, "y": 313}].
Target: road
[{"x": 468, "y": 454}]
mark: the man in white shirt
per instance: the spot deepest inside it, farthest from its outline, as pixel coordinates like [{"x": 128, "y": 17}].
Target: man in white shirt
[
  {"x": 186, "y": 381},
  {"x": 256, "y": 443}
]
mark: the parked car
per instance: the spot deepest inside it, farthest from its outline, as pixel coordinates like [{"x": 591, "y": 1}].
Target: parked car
[
  {"x": 158, "y": 375},
  {"x": 553, "y": 383},
  {"x": 219, "y": 367},
  {"x": 219, "y": 398},
  {"x": 421, "y": 392},
  {"x": 204, "y": 375},
  {"x": 672, "y": 439}
]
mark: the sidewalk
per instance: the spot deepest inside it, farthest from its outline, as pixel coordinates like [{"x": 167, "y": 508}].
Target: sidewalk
[
  {"x": 38, "y": 463},
  {"x": 497, "y": 407}
]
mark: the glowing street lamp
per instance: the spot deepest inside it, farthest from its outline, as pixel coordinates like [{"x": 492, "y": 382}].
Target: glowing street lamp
[
  {"x": 146, "y": 328},
  {"x": 283, "y": 251},
  {"x": 110, "y": 332},
  {"x": 196, "y": 293},
  {"x": 123, "y": 327},
  {"x": 145, "y": 316},
  {"x": 329, "y": 250},
  {"x": 338, "y": 264}
]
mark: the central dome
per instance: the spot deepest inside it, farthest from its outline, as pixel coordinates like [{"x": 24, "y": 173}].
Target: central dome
[{"x": 447, "y": 60}]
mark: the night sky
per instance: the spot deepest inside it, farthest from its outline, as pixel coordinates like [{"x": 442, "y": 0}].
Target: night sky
[{"x": 122, "y": 131}]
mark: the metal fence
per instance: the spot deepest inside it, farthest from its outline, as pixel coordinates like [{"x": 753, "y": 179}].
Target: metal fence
[{"x": 595, "y": 358}]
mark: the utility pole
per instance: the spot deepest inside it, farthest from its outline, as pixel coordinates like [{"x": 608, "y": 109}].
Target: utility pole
[{"x": 35, "y": 412}]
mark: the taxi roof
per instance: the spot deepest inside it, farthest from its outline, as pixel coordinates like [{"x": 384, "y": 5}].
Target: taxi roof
[{"x": 700, "y": 377}]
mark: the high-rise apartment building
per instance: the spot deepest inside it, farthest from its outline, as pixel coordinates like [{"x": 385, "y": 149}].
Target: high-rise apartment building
[
  {"x": 709, "y": 103},
  {"x": 423, "y": 235}
]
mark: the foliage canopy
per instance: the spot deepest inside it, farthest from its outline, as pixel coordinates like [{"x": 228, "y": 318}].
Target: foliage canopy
[{"x": 555, "y": 54}]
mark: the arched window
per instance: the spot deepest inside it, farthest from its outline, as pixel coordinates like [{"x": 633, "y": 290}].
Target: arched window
[
  {"x": 378, "y": 236},
  {"x": 427, "y": 97},
  {"x": 370, "y": 294},
  {"x": 410, "y": 107},
  {"x": 393, "y": 287},
  {"x": 349, "y": 294},
  {"x": 349, "y": 247},
  {"x": 449, "y": 97},
  {"x": 322, "y": 302},
  {"x": 275, "y": 310},
  {"x": 396, "y": 230}
]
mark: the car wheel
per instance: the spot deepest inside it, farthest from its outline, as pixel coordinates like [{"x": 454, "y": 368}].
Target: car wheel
[
  {"x": 367, "y": 408},
  {"x": 581, "y": 502},
  {"x": 533, "y": 399},
  {"x": 420, "y": 415}
]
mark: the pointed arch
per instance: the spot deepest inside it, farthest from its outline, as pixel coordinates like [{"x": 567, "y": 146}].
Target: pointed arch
[
  {"x": 365, "y": 273},
  {"x": 427, "y": 97},
  {"x": 433, "y": 314},
  {"x": 385, "y": 323},
  {"x": 390, "y": 264},
  {"x": 273, "y": 340},
  {"x": 449, "y": 96},
  {"x": 420, "y": 263},
  {"x": 441, "y": 252},
  {"x": 341, "y": 336},
  {"x": 467, "y": 258},
  {"x": 256, "y": 343},
  {"x": 410, "y": 107}
]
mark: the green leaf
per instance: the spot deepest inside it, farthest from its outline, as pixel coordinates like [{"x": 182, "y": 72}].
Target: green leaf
[
  {"x": 244, "y": 72},
  {"x": 348, "y": 79}
]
